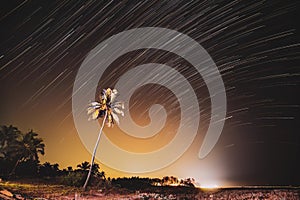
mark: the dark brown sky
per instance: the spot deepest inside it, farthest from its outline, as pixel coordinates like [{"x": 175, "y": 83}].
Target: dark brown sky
[{"x": 255, "y": 45}]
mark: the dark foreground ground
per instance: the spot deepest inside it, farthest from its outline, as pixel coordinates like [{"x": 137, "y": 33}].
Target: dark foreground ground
[{"x": 39, "y": 191}]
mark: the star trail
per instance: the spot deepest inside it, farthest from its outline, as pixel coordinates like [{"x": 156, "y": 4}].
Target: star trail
[{"x": 254, "y": 44}]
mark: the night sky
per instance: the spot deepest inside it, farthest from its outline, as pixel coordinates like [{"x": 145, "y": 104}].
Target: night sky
[{"x": 254, "y": 44}]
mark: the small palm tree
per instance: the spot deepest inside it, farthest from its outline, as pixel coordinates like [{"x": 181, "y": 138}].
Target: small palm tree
[
  {"x": 30, "y": 146},
  {"x": 107, "y": 109},
  {"x": 102, "y": 174},
  {"x": 84, "y": 166},
  {"x": 69, "y": 168}
]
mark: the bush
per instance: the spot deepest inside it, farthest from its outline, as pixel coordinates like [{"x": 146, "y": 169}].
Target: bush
[
  {"x": 73, "y": 178},
  {"x": 77, "y": 178},
  {"x": 27, "y": 169}
]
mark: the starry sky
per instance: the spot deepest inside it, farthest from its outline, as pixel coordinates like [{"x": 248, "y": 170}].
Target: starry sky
[{"x": 254, "y": 44}]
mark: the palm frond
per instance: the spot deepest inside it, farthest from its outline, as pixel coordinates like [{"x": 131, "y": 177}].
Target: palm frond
[
  {"x": 115, "y": 118},
  {"x": 118, "y": 111}
]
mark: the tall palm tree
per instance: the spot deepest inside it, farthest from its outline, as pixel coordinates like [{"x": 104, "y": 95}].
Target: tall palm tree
[
  {"x": 109, "y": 110},
  {"x": 94, "y": 153}
]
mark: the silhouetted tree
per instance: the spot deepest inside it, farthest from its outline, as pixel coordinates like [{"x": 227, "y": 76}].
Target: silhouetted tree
[
  {"x": 101, "y": 174},
  {"x": 84, "y": 166},
  {"x": 29, "y": 148},
  {"x": 189, "y": 182},
  {"x": 9, "y": 135},
  {"x": 28, "y": 168},
  {"x": 70, "y": 168},
  {"x": 16, "y": 148},
  {"x": 47, "y": 170},
  {"x": 77, "y": 177},
  {"x": 10, "y": 138},
  {"x": 165, "y": 180}
]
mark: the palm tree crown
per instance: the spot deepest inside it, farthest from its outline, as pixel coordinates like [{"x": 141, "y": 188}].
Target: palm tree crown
[{"x": 32, "y": 146}]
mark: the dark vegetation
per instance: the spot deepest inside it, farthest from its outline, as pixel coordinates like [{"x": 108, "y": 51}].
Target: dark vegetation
[
  {"x": 22, "y": 176},
  {"x": 19, "y": 160}
]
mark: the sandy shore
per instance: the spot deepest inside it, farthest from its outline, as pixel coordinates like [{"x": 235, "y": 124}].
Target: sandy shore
[{"x": 22, "y": 191}]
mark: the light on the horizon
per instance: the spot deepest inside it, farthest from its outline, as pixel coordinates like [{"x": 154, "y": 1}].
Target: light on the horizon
[{"x": 209, "y": 186}]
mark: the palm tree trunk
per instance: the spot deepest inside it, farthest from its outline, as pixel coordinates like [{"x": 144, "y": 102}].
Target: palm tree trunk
[
  {"x": 94, "y": 152},
  {"x": 13, "y": 171}
]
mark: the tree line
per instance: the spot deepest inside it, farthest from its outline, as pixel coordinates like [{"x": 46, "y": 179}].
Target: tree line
[
  {"x": 19, "y": 158},
  {"x": 136, "y": 183},
  {"x": 17, "y": 148}
]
